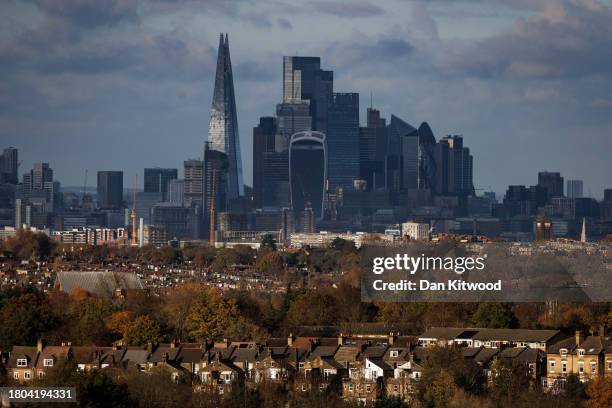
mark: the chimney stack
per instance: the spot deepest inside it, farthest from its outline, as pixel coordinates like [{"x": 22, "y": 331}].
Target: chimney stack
[
  {"x": 39, "y": 345},
  {"x": 578, "y": 338},
  {"x": 290, "y": 339}
]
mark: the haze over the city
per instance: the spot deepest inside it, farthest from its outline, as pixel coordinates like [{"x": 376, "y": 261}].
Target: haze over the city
[{"x": 123, "y": 85}]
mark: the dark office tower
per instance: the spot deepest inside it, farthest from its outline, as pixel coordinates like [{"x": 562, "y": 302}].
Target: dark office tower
[
  {"x": 455, "y": 164},
  {"x": 467, "y": 187},
  {"x": 8, "y": 169},
  {"x": 156, "y": 180},
  {"x": 343, "y": 141},
  {"x": 442, "y": 167},
  {"x": 263, "y": 142},
  {"x": 276, "y": 179},
  {"x": 41, "y": 173},
  {"x": 307, "y": 172},
  {"x": 223, "y": 127},
  {"x": 427, "y": 157},
  {"x": 373, "y": 150},
  {"x": 292, "y": 117},
  {"x": 307, "y": 220},
  {"x": 552, "y": 182},
  {"x": 216, "y": 166},
  {"x": 193, "y": 193},
  {"x": 608, "y": 194},
  {"x": 110, "y": 189},
  {"x": 304, "y": 80},
  {"x": 402, "y": 155}
]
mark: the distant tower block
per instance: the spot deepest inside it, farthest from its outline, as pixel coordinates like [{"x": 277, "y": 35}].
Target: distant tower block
[
  {"x": 543, "y": 229},
  {"x": 583, "y": 234}
]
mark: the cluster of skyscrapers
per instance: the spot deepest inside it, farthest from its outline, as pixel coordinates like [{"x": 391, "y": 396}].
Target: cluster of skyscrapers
[{"x": 315, "y": 167}]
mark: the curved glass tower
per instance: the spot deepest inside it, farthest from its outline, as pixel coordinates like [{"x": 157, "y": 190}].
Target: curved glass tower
[
  {"x": 307, "y": 172},
  {"x": 223, "y": 125}
]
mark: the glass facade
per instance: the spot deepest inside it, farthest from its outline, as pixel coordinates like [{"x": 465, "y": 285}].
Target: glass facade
[
  {"x": 343, "y": 141},
  {"x": 223, "y": 126},
  {"x": 308, "y": 172}
]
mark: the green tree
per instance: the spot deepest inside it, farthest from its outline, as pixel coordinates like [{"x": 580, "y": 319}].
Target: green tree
[
  {"x": 494, "y": 316},
  {"x": 439, "y": 389},
  {"x": 270, "y": 263}
]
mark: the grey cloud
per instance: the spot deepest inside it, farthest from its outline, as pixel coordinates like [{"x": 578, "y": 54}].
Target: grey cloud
[
  {"x": 567, "y": 39},
  {"x": 90, "y": 14},
  {"x": 352, "y": 9},
  {"x": 284, "y": 23}
]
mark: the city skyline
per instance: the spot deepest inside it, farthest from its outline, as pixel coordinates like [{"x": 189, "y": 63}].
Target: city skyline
[{"x": 552, "y": 105}]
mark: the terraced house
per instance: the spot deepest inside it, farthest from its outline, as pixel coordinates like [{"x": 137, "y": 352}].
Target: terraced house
[{"x": 361, "y": 367}]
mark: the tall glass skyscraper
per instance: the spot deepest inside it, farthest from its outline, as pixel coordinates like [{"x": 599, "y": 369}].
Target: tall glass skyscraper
[
  {"x": 308, "y": 172},
  {"x": 343, "y": 140},
  {"x": 223, "y": 127}
]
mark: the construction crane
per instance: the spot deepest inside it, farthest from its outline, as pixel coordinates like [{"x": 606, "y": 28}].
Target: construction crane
[{"x": 134, "y": 240}]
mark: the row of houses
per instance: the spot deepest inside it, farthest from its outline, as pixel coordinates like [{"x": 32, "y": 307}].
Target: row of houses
[{"x": 360, "y": 366}]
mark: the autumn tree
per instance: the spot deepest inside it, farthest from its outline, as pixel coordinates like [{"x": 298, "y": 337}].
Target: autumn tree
[
  {"x": 210, "y": 315},
  {"x": 140, "y": 331},
  {"x": 599, "y": 392}
]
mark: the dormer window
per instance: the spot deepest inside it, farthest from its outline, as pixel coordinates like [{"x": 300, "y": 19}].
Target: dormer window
[
  {"x": 22, "y": 362},
  {"x": 48, "y": 362},
  {"x": 394, "y": 353},
  {"x": 581, "y": 352},
  {"x": 563, "y": 352}
]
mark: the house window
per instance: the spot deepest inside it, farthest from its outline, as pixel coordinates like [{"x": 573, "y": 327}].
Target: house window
[
  {"x": 22, "y": 362},
  {"x": 351, "y": 387},
  {"x": 581, "y": 367},
  {"x": 396, "y": 388},
  {"x": 48, "y": 362},
  {"x": 368, "y": 388},
  {"x": 301, "y": 365},
  {"x": 321, "y": 387},
  {"x": 552, "y": 366},
  {"x": 544, "y": 383},
  {"x": 610, "y": 365},
  {"x": 16, "y": 375},
  {"x": 563, "y": 352},
  {"x": 227, "y": 377},
  {"x": 593, "y": 367},
  {"x": 26, "y": 375},
  {"x": 563, "y": 366},
  {"x": 581, "y": 352},
  {"x": 303, "y": 387},
  {"x": 394, "y": 353}
]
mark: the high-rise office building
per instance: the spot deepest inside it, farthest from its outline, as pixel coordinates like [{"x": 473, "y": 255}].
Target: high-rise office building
[
  {"x": 276, "y": 179},
  {"x": 608, "y": 194},
  {"x": 176, "y": 192},
  {"x": 263, "y": 142},
  {"x": 342, "y": 139},
  {"x": 402, "y": 155},
  {"x": 36, "y": 178},
  {"x": 373, "y": 150},
  {"x": 194, "y": 183},
  {"x": 427, "y": 157},
  {"x": 216, "y": 194},
  {"x": 110, "y": 189},
  {"x": 9, "y": 163},
  {"x": 574, "y": 188},
  {"x": 454, "y": 167},
  {"x": 552, "y": 182},
  {"x": 156, "y": 180},
  {"x": 144, "y": 203},
  {"x": 304, "y": 80},
  {"x": 223, "y": 127},
  {"x": 308, "y": 172}
]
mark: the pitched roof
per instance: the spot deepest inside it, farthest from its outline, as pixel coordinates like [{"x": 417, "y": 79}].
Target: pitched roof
[
  {"x": 515, "y": 334},
  {"x": 448, "y": 333},
  {"x": 27, "y": 352},
  {"x": 99, "y": 283}
]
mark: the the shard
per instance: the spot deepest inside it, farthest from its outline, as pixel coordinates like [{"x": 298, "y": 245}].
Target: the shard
[{"x": 223, "y": 126}]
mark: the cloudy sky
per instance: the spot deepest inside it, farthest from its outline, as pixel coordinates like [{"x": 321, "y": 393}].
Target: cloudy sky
[{"x": 126, "y": 84}]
